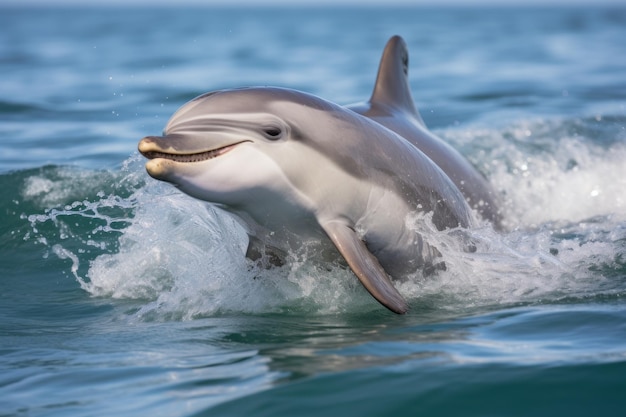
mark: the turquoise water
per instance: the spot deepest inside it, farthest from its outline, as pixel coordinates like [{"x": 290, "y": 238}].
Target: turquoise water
[{"x": 121, "y": 296}]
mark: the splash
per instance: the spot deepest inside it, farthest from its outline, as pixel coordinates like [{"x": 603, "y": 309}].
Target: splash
[
  {"x": 178, "y": 258},
  {"x": 554, "y": 170}
]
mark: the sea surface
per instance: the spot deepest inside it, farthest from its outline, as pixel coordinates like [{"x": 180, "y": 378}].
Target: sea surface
[{"x": 120, "y": 296}]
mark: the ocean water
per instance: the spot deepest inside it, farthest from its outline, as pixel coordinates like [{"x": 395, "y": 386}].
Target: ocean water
[{"x": 121, "y": 296}]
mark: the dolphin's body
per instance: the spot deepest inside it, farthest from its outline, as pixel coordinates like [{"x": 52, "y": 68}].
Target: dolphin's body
[
  {"x": 392, "y": 106},
  {"x": 296, "y": 168}
]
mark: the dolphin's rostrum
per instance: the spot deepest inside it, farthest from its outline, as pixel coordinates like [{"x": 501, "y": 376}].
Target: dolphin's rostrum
[{"x": 294, "y": 167}]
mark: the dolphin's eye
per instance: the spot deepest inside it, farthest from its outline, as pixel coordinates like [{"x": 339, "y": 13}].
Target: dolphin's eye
[{"x": 273, "y": 132}]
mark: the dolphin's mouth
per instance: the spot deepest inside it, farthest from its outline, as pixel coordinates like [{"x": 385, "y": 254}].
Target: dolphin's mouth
[{"x": 190, "y": 157}]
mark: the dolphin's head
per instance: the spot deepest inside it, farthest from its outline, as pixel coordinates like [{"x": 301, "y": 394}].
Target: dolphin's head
[{"x": 232, "y": 146}]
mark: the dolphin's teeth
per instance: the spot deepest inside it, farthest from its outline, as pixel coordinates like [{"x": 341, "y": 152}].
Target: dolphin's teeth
[{"x": 193, "y": 157}]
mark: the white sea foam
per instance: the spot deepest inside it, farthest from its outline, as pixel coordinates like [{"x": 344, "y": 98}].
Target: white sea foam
[
  {"x": 180, "y": 258},
  {"x": 547, "y": 173}
]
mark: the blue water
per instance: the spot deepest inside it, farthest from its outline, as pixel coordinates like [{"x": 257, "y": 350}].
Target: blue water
[{"x": 121, "y": 296}]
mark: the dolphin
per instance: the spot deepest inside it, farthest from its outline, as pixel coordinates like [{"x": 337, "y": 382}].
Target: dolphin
[{"x": 296, "y": 168}]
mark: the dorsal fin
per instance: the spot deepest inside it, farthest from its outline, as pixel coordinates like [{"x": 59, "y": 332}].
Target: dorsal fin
[{"x": 392, "y": 83}]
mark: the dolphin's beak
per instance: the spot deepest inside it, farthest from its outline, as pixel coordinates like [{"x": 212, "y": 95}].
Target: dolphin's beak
[
  {"x": 147, "y": 146},
  {"x": 156, "y": 166},
  {"x": 153, "y": 146}
]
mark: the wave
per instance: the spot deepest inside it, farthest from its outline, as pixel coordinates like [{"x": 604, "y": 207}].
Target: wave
[
  {"x": 552, "y": 170},
  {"x": 127, "y": 237}
]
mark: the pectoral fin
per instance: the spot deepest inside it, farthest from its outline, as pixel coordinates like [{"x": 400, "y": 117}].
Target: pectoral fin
[{"x": 365, "y": 266}]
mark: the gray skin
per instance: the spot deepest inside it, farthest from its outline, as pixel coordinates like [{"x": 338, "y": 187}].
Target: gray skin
[
  {"x": 298, "y": 169},
  {"x": 392, "y": 106}
]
